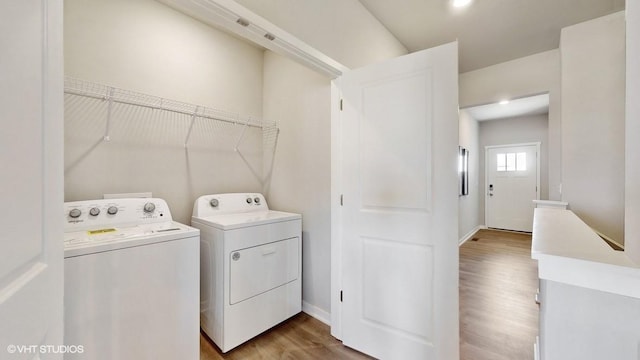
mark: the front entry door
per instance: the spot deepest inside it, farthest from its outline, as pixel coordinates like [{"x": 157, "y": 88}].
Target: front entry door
[
  {"x": 399, "y": 217},
  {"x": 511, "y": 187}
]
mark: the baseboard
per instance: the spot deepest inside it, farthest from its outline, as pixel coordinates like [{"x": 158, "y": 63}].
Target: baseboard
[
  {"x": 316, "y": 312},
  {"x": 470, "y": 234}
]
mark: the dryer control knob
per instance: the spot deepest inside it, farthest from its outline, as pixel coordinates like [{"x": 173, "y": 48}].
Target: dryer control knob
[
  {"x": 75, "y": 213},
  {"x": 149, "y": 207},
  {"x": 112, "y": 210},
  {"x": 249, "y": 200},
  {"x": 214, "y": 202},
  {"x": 256, "y": 200},
  {"x": 94, "y": 211}
]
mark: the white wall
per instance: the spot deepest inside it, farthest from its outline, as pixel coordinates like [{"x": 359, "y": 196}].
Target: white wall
[
  {"x": 535, "y": 74},
  {"x": 525, "y": 129},
  {"x": 341, "y": 29},
  {"x": 593, "y": 98},
  {"x": 144, "y": 46},
  {"x": 632, "y": 152},
  {"x": 300, "y": 101},
  {"x": 468, "y": 206},
  {"x": 301, "y": 180}
]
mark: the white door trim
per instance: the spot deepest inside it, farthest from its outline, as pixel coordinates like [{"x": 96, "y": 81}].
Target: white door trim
[
  {"x": 486, "y": 169},
  {"x": 336, "y": 211}
]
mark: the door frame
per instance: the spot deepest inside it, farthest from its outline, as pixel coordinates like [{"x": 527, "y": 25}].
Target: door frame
[
  {"x": 486, "y": 169},
  {"x": 336, "y": 211}
]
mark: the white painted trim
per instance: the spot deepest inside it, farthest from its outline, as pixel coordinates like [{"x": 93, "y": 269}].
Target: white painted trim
[
  {"x": 551, "y": 203},
  {"x": 225, "y": 14},
  {"x": 470, "y": 234},
  {"x": 316, "y": 313},
  {"x": 486, "y": 167},
  {"x": 336, "y": 211}
]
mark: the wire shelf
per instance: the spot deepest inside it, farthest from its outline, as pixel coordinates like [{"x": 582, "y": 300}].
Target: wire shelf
[{"x": 108, "y": 93}]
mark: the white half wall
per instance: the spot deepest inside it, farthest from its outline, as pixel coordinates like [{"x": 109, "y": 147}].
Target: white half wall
[
  {"x": 593, "y": 122},
  {"x": 535, "y": 74},
  {"x": 468, "y": 205},
  {"x": 147, "y": 47}
]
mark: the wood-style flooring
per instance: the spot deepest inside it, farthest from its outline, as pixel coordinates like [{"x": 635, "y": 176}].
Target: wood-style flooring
[
  {"x": 301, "y": 337},
  {"x": 498, "y": 315},
  {"x": 498, "y": 283}
]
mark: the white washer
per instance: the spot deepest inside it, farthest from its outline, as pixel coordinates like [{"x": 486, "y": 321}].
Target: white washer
[
  {"x": 250, "y": 266},
  {"x": 131, "y": 281}
]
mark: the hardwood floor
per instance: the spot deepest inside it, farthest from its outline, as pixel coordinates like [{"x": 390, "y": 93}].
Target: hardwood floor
[
  {"x": 498, "y": 315},
  {"x": 301, "y": 337},
  {"x": 498, "y": 282}
]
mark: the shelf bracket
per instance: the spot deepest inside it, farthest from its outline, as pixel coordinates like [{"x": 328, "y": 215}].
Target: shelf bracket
[
  {"x": 109, "y": 106},
  {"x": 244, "y": 129},
  {"x": 193, "y": 120}
]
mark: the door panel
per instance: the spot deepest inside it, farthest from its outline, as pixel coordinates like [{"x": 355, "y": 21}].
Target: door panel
[
  {"x": 31, "y": 254},
  {"x": 399, "y": 145},
  {"x": 390, "y": 150},
  {"x": 512, "y": 182},
  {"x": 385, "y": 261}
]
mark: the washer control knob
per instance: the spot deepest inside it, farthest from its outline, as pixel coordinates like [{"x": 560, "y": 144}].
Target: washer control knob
[
  {"x": 75, "y": 213},
  {"x": 249, "y": 200},
  {"x": 112, "y": 210},
  {"x": 256, "y": 200},
  {"x": 149, "y": 207},
  {"x": 214, "y": 202},
  {"x": 94, "y": 211}
]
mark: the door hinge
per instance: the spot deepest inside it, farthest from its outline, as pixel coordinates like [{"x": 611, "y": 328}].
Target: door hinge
[
  {"x": 341, "y": 199},
  {"x": 340, "y": 295},
  {"x": 341, "y": 104}
]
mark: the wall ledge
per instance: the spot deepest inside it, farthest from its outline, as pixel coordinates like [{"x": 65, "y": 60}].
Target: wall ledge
[{"x": 569, "y": 251}]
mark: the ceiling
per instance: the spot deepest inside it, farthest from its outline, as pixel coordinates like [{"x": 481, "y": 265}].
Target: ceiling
[
  {"x": 489, "y": 31},
  {"x": 531, "y": 105}
]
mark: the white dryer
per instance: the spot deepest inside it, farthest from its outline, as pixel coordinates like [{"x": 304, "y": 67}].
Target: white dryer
[
  {"x": 131, "y": 285},
  {"x": 250, "y": 266}
]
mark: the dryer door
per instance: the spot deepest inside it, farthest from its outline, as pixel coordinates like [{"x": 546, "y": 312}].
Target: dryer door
[{"x": 258, "y": 269}]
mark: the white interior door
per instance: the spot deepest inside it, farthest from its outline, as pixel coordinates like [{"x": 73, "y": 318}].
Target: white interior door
[
  {"x": 400, "y": 206},
  {"x": 31, "y": 185},
  {"x": 512, "y": 185}
]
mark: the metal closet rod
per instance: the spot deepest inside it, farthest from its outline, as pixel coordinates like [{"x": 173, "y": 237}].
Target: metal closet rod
[{"x": 156, "y": 107}]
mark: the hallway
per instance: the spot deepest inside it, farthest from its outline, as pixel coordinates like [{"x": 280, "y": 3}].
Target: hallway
[{"x": 498, "y": 283}]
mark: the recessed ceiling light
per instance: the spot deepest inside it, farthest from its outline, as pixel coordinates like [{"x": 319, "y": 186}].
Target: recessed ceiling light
[
  {"x": 460, "y": 3},
  {"x": 503, "y": 102}
]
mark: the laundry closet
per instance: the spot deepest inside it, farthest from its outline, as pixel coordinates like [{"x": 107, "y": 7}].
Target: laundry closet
[
  {"x": 145, "y": 49},
  {"x": 144, "y": 89}
]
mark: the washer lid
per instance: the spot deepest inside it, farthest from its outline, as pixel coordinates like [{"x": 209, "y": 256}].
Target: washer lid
[
  {"x": 241, "y": 220},
  {"x": 113, "y": 238}
]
